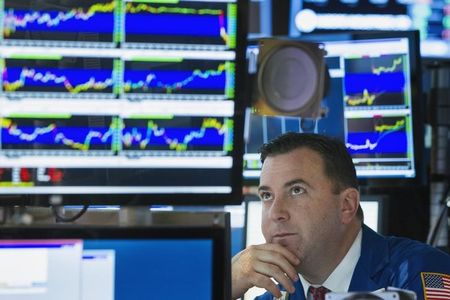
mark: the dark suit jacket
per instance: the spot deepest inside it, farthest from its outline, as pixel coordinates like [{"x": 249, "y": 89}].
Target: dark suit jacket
[{"x": 389, "y": 262}]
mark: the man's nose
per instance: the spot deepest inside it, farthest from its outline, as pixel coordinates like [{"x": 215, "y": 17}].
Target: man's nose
[{"x": 279, "y": 211}]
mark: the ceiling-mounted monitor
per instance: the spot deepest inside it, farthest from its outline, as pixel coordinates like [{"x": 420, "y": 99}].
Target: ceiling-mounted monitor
[
  {"x": 428, "y": 17},
  {"x": 374, "y": 105},
  {"x": 121, "y": 101}
]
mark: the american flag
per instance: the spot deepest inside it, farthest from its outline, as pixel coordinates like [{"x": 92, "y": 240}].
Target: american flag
[{"x": 436, "y": 286}]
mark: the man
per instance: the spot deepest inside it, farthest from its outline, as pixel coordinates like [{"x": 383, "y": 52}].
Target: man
[{"x": 316, "y": 240}]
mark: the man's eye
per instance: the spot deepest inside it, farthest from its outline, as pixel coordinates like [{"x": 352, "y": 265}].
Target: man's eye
[
  {"x": 297, "y": 190},
  {"x": 265, "y": 196}
]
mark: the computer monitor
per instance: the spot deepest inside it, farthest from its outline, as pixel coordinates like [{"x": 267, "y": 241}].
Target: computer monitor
[
  {"x": 375, "y": 208},
  {"x": 122, "y": 102},
  {"x": 373, "y": 104},
  {"x": 331, "y": 16},
  {"x": 101, "y": 263}
]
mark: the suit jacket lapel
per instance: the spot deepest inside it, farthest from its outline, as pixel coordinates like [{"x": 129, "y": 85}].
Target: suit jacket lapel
[{"x": 374, "y": 256}]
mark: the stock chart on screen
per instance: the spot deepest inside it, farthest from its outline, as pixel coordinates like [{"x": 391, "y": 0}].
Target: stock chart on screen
[
  {"x": 372, "y": 106},
  {"x": 378, "y": 110},
  {"x": 121, "y": 97}
]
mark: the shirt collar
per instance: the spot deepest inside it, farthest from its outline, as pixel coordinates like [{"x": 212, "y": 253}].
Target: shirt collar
[{"x": 339, "y": 279}]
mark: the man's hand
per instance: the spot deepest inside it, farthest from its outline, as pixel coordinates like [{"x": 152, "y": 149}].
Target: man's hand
[{"x": 256, "y": 265}]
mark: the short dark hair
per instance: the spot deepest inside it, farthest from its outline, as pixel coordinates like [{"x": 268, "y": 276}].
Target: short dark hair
[{"x": 339, "y": 167}]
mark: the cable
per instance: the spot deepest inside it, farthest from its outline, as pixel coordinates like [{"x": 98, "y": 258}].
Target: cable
[{"x": 64, "y": 219}]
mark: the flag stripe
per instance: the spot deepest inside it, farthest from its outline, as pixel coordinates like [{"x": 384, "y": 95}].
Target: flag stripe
[
  {"x": 436, "y": 286},
  {"x": 438, "y": 293}
]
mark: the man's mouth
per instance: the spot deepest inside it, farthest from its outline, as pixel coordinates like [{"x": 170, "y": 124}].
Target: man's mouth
[{"x": 282, "y": 235}]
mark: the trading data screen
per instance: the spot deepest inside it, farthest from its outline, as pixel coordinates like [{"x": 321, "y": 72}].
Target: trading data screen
[
  {"x": 369, "y": 106},
  {"x": 122, "y": 97},
  {"x": 429, "y": 17}
]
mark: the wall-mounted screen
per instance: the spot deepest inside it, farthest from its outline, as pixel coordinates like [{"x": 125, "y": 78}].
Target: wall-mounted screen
[
  {"x": 429, "y": 17},
  {"x": 122, "y": 101},
  {"x": 373, "y": 105}
]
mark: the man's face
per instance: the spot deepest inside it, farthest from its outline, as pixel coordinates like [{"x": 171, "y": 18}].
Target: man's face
[{"x": 300, "y": 210}]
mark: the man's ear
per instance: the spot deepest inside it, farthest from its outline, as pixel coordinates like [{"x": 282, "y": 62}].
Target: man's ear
[{"x": 349, "y": 204}]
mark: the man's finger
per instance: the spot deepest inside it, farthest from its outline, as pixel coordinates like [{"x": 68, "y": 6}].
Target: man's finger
[
  {"x": 275, "y": 258},
  {"x": 276, "y": 273},
  {"x": 291, "y": 257},
  {"x": 267, "y": 283}
]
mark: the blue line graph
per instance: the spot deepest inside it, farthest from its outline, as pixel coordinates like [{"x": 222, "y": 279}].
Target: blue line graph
[
  {"x": 172, "y": 138},
  {"x": 180, "y": 25},
  {"x": 57, "y": 79},
  {"x": 185, "y": 23},
  {"x": 58, "y": 137},
  {"x": 172, "y": 80},
  {"x": 379, "y": 65},
  {"x": 388, "y": 142},
  {"x": 39, "y": 22},
  {"x": 179, "y": 134},
  {"x": 53, "y": 21},
  {"x": 389, "y": 82}
]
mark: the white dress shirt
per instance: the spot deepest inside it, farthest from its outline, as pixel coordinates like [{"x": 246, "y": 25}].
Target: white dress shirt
[{"x": 339, "y": 279}]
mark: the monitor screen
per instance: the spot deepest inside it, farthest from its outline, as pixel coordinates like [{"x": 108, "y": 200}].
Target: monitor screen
[
  {"x": 114, "y": 263},
  {"x": 373, "y": 105},
  {"x": 122, "y": 102},
  {"x": 374, "y": 210},
  {"x": 429, "y": 17}
]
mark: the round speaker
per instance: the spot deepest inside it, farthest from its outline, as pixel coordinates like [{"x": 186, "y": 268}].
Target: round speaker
[{"x": 288, "y": 78}]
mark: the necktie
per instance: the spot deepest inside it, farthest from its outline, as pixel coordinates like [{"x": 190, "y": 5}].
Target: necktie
[{"x": 318, "y": 293}]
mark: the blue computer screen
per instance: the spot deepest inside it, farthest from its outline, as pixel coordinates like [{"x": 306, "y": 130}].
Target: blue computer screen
[
  {"x": 159, "y": 269},
  {"x": 372, "y": 105},
  {"x": 106, "y": 269},
  {"x": 112, "y": 97}
]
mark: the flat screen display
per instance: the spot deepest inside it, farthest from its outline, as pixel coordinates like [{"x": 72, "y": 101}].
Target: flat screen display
[
  {"x": 114, "y": 263},
  {"x": 429, "y": 17},
  {"x": 122, "y": 101},
  {"x": 373, "y": 105}
]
